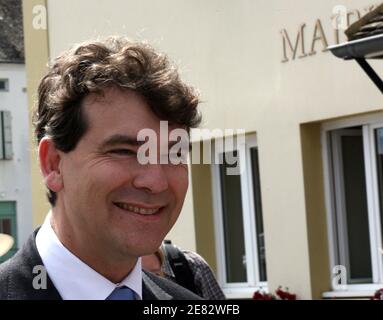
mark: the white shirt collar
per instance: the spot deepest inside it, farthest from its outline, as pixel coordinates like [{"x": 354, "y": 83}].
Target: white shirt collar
[{"x": 74, "y": 279}]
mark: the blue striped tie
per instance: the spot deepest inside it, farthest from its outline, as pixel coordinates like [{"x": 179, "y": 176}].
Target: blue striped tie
[{"x": 121, "y": 293}]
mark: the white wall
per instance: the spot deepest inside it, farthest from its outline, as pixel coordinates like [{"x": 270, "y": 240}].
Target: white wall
[{"x": 15, "y": 182}]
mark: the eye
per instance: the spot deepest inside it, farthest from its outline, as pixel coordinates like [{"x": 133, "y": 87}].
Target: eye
[
  {"x": 123, "y": 152},
  {"x": 175, "y": 153},
  {"x": 179, "y": 156}
]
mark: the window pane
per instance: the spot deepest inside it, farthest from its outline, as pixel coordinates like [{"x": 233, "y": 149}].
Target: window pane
[
  {"x": 7, "y": 135},
  {"x": 358, "y": 246},
  {"x": 8, "y": 225},
  {"x": 5, "y": 226},
  {"x": 379, "y": 161},
  {"x": 3, "y": 84},
  {"x": 233, "y": 225},
  {"x": 258, "y": 215}
]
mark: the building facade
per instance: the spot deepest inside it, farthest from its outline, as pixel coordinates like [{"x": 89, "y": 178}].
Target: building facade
[
  {"x": 15, "y": 182},
  {"x": 305, "y": 212}
]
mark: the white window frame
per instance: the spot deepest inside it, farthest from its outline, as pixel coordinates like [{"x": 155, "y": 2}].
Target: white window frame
[
  {"x": 249, "y": 226},
  {"x": 368, "y": 123},
  {"x": 373, "y": 202}
]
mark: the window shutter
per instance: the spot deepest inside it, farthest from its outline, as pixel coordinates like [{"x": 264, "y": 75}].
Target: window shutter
[{"x": 6, "y": 152}]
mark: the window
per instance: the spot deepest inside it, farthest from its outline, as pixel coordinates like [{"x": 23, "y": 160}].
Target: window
[
  {"x": 8, "y": 225},
  {"x": 354, "y": 161},
  {"x": 5, "y": 136},
  {"x": 4, "y": 85},
  {"x": 238, "y": 217}
]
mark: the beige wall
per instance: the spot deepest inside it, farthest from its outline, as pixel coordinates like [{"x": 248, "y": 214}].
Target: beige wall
[
  {"x": 36, "y": 58},
  {"x": 183, "y": 232},
  {"x": 203, "y": 213},
  {"x": 315, "y": 208},
  {"x": 232, "y": 51}
]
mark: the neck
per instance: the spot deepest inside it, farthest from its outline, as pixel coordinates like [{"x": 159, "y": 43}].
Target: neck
[{"x": 113, "y": 267}]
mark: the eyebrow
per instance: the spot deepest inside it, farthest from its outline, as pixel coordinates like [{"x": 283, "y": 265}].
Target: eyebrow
[{"x": 117, "y": 139}]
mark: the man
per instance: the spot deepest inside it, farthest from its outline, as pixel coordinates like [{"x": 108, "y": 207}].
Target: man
[{"x": 108, "y": 208}]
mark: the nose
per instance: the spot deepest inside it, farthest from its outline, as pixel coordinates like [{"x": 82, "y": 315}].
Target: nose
[{"x": 152, "y": 178}]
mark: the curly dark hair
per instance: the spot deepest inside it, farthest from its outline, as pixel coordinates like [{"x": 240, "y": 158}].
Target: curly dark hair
[{"x": 93, "y": 66}]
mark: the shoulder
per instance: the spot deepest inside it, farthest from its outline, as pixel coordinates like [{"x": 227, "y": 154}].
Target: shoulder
[
  {"x": 4, "y": 279},
  {"x": 12, "y": 274},
  {"x": 159, "y": 288},
  {"x": 195, "y": 260},
  {"x": 18, "y": 274},
  {"x": 204, "y": 278}
]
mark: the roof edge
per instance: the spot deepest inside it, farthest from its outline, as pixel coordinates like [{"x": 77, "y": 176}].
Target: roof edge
[{"x": 369, "y": 47}]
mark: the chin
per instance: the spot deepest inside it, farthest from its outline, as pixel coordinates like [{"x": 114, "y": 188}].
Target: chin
[{"x": 142, "y": 248}]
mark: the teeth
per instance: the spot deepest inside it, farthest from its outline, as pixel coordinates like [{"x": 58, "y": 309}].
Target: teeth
[{"x": 136, "y": 209}]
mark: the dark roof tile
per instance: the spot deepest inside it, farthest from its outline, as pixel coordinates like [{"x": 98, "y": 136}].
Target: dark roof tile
[{"x": 11, "y": 32}]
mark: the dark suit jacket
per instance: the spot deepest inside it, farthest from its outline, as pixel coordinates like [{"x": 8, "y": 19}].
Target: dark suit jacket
[{"x": 16, "y": 280}]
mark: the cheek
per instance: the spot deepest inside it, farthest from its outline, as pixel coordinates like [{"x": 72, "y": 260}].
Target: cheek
[
  {"x": 92, "y": 184},
  {"x": 108, "y": 174},
  {"x": 179, "y": 182}
]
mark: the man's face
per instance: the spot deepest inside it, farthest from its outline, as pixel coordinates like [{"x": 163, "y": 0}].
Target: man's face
[{"x": 110, "y": 203}]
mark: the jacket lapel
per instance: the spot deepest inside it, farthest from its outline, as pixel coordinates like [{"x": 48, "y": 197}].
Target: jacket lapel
[
  {"x": 31, "y": 281},
  {"x": 151, "y": 291}
]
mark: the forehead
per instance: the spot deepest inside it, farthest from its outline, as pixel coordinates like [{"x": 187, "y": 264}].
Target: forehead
[
  {"x": 119, "y": 112},
  {"x": 115, "y": 108}
]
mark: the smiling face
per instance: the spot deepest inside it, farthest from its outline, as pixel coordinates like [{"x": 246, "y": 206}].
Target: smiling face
[{"x": 111, "y": 208}]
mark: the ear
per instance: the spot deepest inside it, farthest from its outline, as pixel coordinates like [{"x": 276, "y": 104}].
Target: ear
[{"x": 50, "y": 159}]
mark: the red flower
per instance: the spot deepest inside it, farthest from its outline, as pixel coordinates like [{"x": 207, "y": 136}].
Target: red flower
[
  {"x": 279, "y": 293},
  {"x": 378, "y": 295},
  {"x": 262, "y": 296},
  {"x": 285, "y": 295}
]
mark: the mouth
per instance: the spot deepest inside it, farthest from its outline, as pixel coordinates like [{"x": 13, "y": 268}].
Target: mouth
[{"x": 137, "y": 209}]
